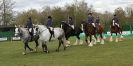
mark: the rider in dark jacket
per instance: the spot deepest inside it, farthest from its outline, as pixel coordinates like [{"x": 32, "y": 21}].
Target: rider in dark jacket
[
  {"x": 115, "y": 21},
  {"x": 50, "y": 26},
  {"x": 97, "y": 22},
  {"x": 49, "y": 21},
  {"x": 29, "y": 26},
  {"x": 29, "y": 23},
  {"x": 70, "y": 22},
  {"x": 91, "y": 19}
]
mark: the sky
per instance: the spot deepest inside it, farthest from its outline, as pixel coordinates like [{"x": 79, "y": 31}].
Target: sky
[{"x": 99, "y": 5}]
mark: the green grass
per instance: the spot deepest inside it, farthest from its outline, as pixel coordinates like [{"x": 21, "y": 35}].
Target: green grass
[{"x": 110, "y": 54}]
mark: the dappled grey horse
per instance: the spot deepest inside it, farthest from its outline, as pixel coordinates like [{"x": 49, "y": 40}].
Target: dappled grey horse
[
  {"x": 23, "y": 33},
  {"x": 44, "y": 36}
]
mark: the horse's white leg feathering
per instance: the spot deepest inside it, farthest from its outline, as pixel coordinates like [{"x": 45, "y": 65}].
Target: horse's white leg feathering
[
  {"x": 111, "y": 39},
  {"x": 98, "y": 39},
  {"x": 116, "y": 39},
  {"x": 102, "y": 41}
]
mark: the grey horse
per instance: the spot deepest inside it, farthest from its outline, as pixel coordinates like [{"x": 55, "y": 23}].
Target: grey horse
[{"x": 26, "y": 38}]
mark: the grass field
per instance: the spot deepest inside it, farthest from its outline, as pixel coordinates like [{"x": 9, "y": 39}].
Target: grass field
[{"x": 109, "y": 54}]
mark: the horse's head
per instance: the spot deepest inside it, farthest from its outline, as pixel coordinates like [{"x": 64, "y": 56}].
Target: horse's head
[
  {"x": 65, "y": 26},
  {"x": 18, "y": 31},
  {"x": 39, "y": 28}
]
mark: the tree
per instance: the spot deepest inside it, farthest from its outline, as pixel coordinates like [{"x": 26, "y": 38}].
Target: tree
[
  {"x": 7, "y": 12},
  {"x": 122, "y": 15},
  {"x": 22, "y": 17}
]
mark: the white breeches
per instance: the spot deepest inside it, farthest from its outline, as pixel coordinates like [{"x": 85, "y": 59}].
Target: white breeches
[
  {"x": 93, "y": 24},
  {"x": 30, "y": 29}
]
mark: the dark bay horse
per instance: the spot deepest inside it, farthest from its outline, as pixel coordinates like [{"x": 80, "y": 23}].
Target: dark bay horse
[
  {"x": 117, "y": 30},
  {"x": 69, "y": 31},
  {"x": 100, "y": 31},
  {"x": 89, "y": 31},
  {"x": 26, "y": 38}
]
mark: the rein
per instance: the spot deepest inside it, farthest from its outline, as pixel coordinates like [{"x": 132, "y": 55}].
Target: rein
[{"x": 43, "y": 31}]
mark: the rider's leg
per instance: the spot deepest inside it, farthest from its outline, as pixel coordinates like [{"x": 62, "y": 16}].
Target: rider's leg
[
  {"x": 117, "y": 25},
  {"x": 113, "y": 22},
  {"x": 31, "y": 33},
  {"x": 94, "y": 26}
]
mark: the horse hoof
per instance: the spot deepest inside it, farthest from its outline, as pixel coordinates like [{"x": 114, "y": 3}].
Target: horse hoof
[
  {"x": 67, "y": 45},
  {"x": 24, "y": 53},
  {"x": 101, "y": 43},
  {"x": 75, "y": 44},
  {"x": 46, "y": 51},
  {"x": 57, "y": 50},
  {"x": 90, "y": 45}
]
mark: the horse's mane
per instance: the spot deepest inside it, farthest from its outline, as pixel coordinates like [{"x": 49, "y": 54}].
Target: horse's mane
[
  {"x": 23, "y": 29},
  {"x": 42, "y": 26}
]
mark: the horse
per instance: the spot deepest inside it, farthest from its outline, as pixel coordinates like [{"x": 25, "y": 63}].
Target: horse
[
  {"x": 117, "y": 30},
  {"x": 100, "y": 31},
  {"x": 45, "y": 35},
  {"x": 25, "y": 36},
  {"x": 89, "y": 31},
  {"x": 69, "y": 31}
]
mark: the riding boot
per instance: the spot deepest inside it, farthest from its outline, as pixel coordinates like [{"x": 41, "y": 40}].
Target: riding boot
[
  {"x": 53, "y": 32},
  {"x": 31, "y": 34},
  {"x": 50, "y": 34},
  {"x": 50, "y": 37},
  {"x": 95, "y": 29}
]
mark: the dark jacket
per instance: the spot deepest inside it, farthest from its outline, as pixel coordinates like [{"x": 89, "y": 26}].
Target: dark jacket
[
  {"x": 90, "y": 19},
  {"x": 49, "y": 23},
  {"x": 97, "y": 20},
  {"x": 29, "y": 24},
  {"x": 70, "y": 22},
  {"x": 116, "y": 20}
]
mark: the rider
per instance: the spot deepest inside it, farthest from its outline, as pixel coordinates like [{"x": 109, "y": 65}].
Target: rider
[
  {"x": 49, "y": 25},
  {"x": 97, "y": 22},
  {"x": 115, "y": 21},
  {"x": 70, "y": 22},
  {"x": 29, "y": 26},
  {"x": 91, "y": 19}
]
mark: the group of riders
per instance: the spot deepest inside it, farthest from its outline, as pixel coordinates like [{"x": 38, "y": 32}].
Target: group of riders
[{"x": 91, "y": 20}]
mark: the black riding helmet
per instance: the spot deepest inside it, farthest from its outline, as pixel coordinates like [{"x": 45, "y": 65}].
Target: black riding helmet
[
  {"x": 70, "y": 18},
  {"x": 49, "y": 17},
  {"x": 90, "y": 13}
]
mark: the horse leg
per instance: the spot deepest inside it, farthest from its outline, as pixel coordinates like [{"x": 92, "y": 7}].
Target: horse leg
[
  {"x": 31, "y": 50},
  {"x": 91, "y": 44},
  {"x": 25, "y": 46},
  {"x": 59, "y": 45},
  {"x": 98, "y": 38},
  {"x": 77, "y": 40},
  {"x": 63, "y": 44},
  {"x": 95, "y": 39},
  {"x": 86, "y": 39},
  {"x": 44, "y": 47},
  {"x": 36, "y": 45},
  {"x": 121, "y": 37},
  {"x": 116, "y": 38},
  {"x": 102, "y": 39},
  {"x": 111, "y": 38},
  {"x": 67, "y": 42}
]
